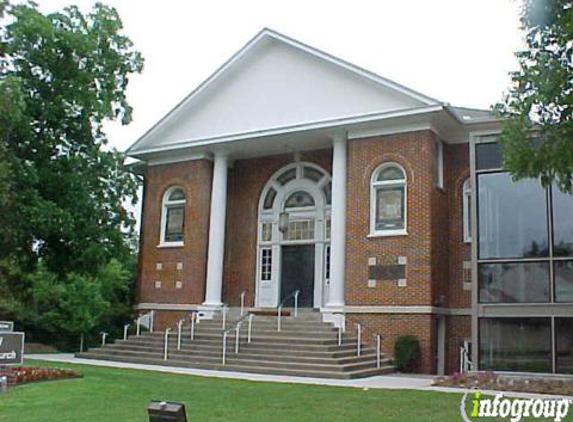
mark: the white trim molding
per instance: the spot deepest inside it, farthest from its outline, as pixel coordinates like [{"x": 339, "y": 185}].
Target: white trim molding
[
  {"x": 407, "y": 309},
  {"x": 151, "y": 306}
]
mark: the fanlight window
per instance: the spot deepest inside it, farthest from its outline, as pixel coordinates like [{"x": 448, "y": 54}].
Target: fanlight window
[
  {"x": 173, "y": 216},
  {"x": 299, "y": 199},
  {"x": 388, "y": 200}
]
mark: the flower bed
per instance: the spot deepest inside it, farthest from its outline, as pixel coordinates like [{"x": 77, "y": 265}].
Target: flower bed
[
  {"x": 493, "y": 381},
  {"x": 24, "y": 374}
]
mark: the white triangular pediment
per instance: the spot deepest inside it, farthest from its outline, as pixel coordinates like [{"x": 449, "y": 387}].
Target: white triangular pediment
[{"x": 275, "y": 82}]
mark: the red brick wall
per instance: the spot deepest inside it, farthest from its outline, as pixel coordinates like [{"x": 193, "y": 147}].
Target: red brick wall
[
  {"x": 247, "y": 178},
  {"x": 195, "y": 178},
  {"x": 414, "y": 152},
  {"x": 391, "y": 326},
  {"x": 458, "y": 329}
]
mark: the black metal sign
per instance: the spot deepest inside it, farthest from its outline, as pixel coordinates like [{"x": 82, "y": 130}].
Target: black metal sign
[
  {"x": 11, "y": 348},
  {"x": 6, "y": 326}
]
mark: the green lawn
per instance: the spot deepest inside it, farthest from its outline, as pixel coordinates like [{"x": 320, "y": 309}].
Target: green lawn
[{"x": 121, "y": 395}]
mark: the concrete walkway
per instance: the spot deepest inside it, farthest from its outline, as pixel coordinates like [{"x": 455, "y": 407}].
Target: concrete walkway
[
  {"x": 384, "y": 381},
  {"x": 394, "y": 381}
]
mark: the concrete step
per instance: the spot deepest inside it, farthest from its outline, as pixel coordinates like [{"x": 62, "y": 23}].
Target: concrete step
[
  {"x": 275, "y": 337},
  {"x": 334, "y": 352},
  {"x": 303, "y": 347},
  {"x": 249, "y": 369},
  {"x": 235, "y": 360}
]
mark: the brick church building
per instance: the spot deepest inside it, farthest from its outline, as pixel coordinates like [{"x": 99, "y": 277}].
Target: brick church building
[{"x": 290, "y": 169}]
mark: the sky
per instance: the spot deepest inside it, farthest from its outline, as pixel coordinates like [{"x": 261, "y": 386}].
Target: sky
[{"x": 458, "y": 51}]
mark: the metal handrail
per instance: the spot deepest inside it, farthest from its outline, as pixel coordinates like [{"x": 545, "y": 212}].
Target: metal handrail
[
  {"x": 237, "y": 328},
  {"x": 125, "y": 331},
  {"x": 179, "y": 328},
  {"x": 224, "y": 310},
  {"x": 242, "y": 296},
  {"x": 103, "y": 337},
  {"x": 166, "y": 343},
  {"x": 193, "y": 319},
  {"x": 378, "y": 350},
  {"x": 358, "y": 339},
  {"x": 281, "y": 306}
]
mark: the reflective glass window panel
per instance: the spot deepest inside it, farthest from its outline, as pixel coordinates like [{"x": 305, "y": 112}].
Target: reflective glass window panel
[
  {"x": 299, "y": 199},
  {"x": 266, "y": 232},
  {"x": 389, "y": 208},
  {"x": 300, "y": 230},
  {"x": 177, "y": 195},
  {"x": 562, "y": 223},
  {"x": 564, "y": 345},
  {"x": 513, "y": 282},
  {"x": 390, "y": 173},
  {"x": 512, "y": 217},
  {"x": 270, "y": 199},
  {"x": 515, "y": 344},
  {"x": 312, "y": 174},
  {"x": 488, "y": 156},
  {"x": 563, "y": 281},
  {"x": 287, "y": 176},
  {"x": 174, "y": 224}
]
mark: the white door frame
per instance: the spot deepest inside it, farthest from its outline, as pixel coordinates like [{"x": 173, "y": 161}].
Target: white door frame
[{"x": 268, "y": 291}]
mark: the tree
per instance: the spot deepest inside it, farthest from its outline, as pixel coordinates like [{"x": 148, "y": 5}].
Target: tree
[
  {"x": 537, "y": 136},
  {"x": 62, "y": 188}
]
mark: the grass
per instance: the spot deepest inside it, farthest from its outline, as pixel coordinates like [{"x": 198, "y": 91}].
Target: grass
[{"x": 122, "y": 395}]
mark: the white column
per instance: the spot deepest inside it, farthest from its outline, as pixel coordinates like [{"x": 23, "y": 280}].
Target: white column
[
  {"x": 338, "y": 223},
  {"x": 217, "y": 233}
]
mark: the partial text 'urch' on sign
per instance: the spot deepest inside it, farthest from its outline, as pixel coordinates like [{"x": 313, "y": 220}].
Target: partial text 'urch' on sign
[{"x": 11, "y": 348}]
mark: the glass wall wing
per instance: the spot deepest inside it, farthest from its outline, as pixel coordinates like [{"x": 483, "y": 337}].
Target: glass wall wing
[
  {"x": 562, "y": 223},
  {"x": 515, "y": 344},
  {"x": 512, "y": 217},
  {"x": 514, "y": 282}
]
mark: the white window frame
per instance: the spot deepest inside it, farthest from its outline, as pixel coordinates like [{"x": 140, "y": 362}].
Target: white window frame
[
  {"x": 374, "y": 185},
  {"x": 466, "y": 212},
  {"x": 165, "y": 204}
]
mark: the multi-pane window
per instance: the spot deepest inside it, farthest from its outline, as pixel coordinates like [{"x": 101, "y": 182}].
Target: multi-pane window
[
  {"x": 327, "y": 226},
  {"x": 300, "y": 230},
  {"x": 266, "y": 264},
  {"x": 466, "y": 211},
  {"x": 524, "y": 257},
  {"x": 515, "y": 344},
  {"x": 173, "y": 216},
  {"x": 266, "y": 232},
  {"x": 388, "y": 200}
]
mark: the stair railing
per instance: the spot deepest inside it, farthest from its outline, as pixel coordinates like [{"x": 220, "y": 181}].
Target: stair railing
[
  {"x": 125, "y": 331},
  {"x": 281, "y": 306},
  {"x": 250, "y": 327},
  {"x": 237, "y": 328},
  {"x": 103, "y": 337},
  {"x": 193, "y": 319},
  {"x": 179, "y": 332},
  {"x": 243, "y": 294},
  {"x": 340, "y": 335},
  {"x": 224, "y": 310},
  {"x": 378, "y": 350},
  {"x": 358, "y": 339},
  {"x": 166, "y": 343}
]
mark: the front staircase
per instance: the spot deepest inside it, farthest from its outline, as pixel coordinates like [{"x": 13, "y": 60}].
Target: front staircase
[{"x": 305, "y": 346}]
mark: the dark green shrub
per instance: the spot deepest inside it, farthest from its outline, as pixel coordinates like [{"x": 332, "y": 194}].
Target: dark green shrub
[{"x": 407, "y": 353}]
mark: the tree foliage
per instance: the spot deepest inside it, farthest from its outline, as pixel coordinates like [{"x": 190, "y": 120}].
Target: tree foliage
[
  {"x": 538, "y": 135},
  {"x": 62, "y": 188}
]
